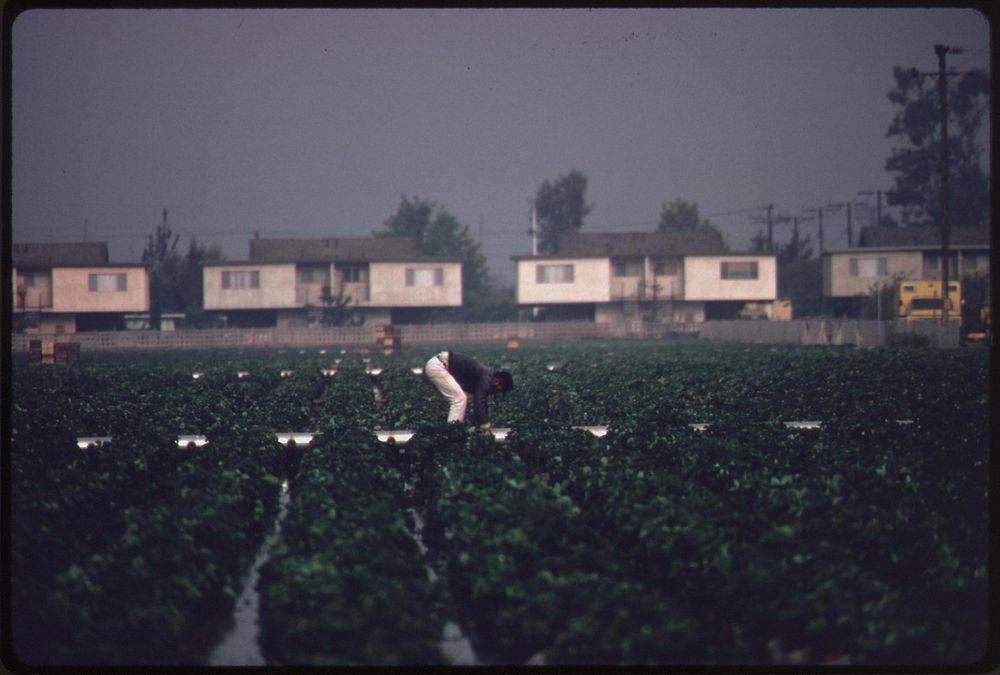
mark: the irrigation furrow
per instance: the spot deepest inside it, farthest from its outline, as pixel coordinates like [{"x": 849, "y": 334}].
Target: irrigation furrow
[{"x": 240, "y": 646}]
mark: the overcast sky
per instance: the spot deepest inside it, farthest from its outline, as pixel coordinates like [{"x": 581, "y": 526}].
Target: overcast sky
[{"x": 314, "y": 122}]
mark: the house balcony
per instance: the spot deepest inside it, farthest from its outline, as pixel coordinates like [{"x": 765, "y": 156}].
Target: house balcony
[
  {"x": 312, "y": 294},
  {"x": 27, "y": 301}
]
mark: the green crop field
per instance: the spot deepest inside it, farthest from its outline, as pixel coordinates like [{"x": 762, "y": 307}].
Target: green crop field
[{"x": 748, "y": 505}]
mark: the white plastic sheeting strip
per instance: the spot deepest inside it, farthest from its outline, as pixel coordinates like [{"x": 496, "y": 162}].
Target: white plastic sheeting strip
[
  {"x": 398, "y": 437},
  {"x": 401, "y": 436},
  {"x": 500, "y": 433},
  {"x": 598, "y": 430},
  {"x": 811, "y": 424},
  {"x": 300, "y": 437},
  {"x": 803, "y": 425},
  {"x": 84, "y": 442}
]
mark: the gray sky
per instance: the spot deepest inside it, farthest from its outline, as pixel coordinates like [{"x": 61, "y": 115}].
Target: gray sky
[{"x": 314, "y": 122}]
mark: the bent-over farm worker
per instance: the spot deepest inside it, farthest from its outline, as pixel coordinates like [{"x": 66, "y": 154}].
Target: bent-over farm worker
[{"x": 456, "y": 375}]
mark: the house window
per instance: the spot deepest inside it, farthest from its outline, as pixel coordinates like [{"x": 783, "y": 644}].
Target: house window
[
  {"x": 28, "y": 280},
  {"x": 431, "y": 276},
  {"x": 240, "y": 279},
  {"x": 314, "y": 275},
  {"x": 666, "y": 268},
  {"x": 932, "y": 265},
  {"x": 975, "y": 262},
  {"x": 739, "y": 270},
  {"x": 628, "y": 268},
  {"x": 554, "y": 274},
  {"x": 106, "y": 283},
  {"x": 350, "y": 275},
  {"x": 868, "y": 267}
]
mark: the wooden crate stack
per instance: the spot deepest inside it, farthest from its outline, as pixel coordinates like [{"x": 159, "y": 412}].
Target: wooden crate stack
[
  {"x": 67, "y": 353},
  {"x": 387, "y": 338},
  {"x": 48, "y": 352}
]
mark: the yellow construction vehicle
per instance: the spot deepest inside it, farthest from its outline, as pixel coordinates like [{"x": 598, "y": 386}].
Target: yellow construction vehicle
[
  {"x": 978, "y": 328},
  {"x": 921, "y": 300}
]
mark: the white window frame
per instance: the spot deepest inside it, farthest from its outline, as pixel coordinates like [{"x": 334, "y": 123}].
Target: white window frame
[
  {"x": 351, "y": 274},
  {"x": 729, "y": 270},
  {"x": 869, "y": 267},
  {"x": 314, "y": 275},
  {"x": 107, "y": 282},
  {"x": 234, "y": 280},
  {"x": 973, "y": 263},
  {"x": 628, "y": 268},
  {"x": 666, "y": 267},
  {"x": 424, "y": 277},
  {"x": 554, "y": 274}
]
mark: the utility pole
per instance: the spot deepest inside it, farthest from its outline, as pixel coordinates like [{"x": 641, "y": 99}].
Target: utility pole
[
  {"x": 850, "y": 227},
  {"x": 819, "y": 213},
  {"x": 770, "y": 228},
  {"x": 942, "y": 51},
  {"x": 878, "y": 204},
  {"x": 771, "y": 220},
  {"x": 942, "y": 76},
  {"x": 534, "y": 230}
]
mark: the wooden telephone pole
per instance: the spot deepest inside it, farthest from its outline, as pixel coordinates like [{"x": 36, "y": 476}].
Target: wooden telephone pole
[{"x": 942, "y": 51}]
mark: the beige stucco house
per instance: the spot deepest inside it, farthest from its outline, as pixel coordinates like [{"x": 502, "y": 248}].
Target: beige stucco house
[
  {"x": 378, "y": 280},
  {"x": 886, "y": 255},
  {"x": 651, "y": 276},
  {"x": 69, "y": 287}
]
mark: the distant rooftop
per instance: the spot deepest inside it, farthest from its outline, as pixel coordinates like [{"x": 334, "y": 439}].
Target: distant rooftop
[
  {"x": 635, "y": 244},
  {"x": 71, "y": 254},
  {"x": 921, "y": 236},
  {"x": 337, "y": 249}
]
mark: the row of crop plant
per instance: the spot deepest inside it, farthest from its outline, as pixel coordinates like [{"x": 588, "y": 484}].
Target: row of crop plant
[
  {"x": 347, "y": 584},
  {"x": 653, "y": 545},
  {"x": 846, "y": 544},
  {"x": 131, "y": 552},
  {"x": 128, "y": 553}
]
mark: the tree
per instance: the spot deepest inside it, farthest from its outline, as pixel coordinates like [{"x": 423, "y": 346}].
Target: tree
[
  {"x": 682, "y": 216},
  {"x": 163, "y": 262},
  {"x": 438, "y": 233},
  {"x": 175, "y": 283},
  {"x": 916, "y": 161},
  {"x": 560, "y": 207},
  {"x": 190, "y": 281},
  {"x": 337, "y": 309},
  {"x": 800, "y": 275}
]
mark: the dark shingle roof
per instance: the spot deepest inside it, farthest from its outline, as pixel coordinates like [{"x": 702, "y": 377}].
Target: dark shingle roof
[
  {"x": 338, "y": 249},
  {"x": 631, "y": 244},
  {"x": 922, "y": 236},
  {"x": 59, "y": 254}
]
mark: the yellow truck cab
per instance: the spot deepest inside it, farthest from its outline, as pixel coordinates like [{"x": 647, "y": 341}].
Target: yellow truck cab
[{"x": 921, "y": 300}]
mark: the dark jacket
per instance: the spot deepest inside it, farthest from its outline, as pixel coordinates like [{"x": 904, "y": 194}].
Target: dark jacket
[{"x": 474, "y": 378}]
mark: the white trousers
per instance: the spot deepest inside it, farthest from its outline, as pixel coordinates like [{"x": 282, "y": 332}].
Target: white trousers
[{"x": 437, "y": 372}]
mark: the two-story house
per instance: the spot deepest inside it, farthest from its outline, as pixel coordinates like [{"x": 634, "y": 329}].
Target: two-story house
[
  {"x": 651, "y": 276},
  {"x": 69, "y": 287},
  {"x": 886, "y": 255},
  {"x": 289, "y": 282}
]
